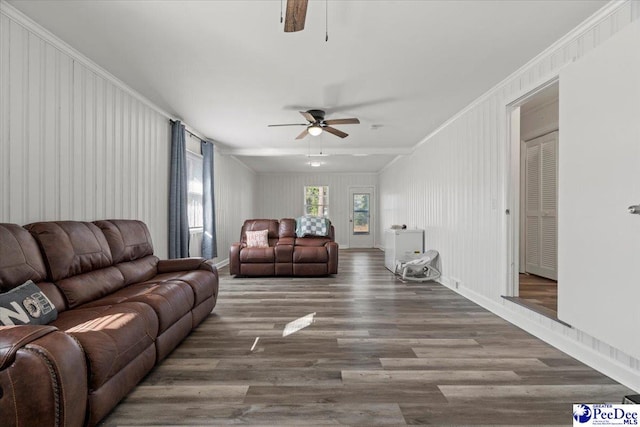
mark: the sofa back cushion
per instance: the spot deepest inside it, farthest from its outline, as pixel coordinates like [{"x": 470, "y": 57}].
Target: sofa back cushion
[
  {"x": 20, "y": 258},
  {"x": 287, "y": 227},
  {"x": 128, "y": 239},
  {"x": 21, "y": 261},
  {"x": 260, "y": 224},
  {"x": 131, "y": 248},
  {"x": 78, "y": 259},
  {"x": 87, "y": 287},
  {"x": 140, "y": 270},
  {"x": 71, "y": 247}
]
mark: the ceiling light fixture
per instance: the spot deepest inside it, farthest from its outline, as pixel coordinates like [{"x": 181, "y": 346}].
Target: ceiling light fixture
[
  {"x": 314, "y": 130},
  {"x": 315, "y": 164}
]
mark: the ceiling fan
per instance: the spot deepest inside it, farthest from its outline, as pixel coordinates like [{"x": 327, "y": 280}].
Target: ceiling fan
[
  {"x": 296, "y": 15},
  {"x": 316, "y": 124}
]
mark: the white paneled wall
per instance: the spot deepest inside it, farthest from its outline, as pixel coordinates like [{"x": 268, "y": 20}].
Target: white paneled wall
[
  {"x": 455, "y": 187},
  {"x": 539, "y": 121},
  {"x": 453, "y": 196},
  {"x": 281, "y": 196},
  {"x": 235, "y": 188},
  {"x": 74, "y": 143}
]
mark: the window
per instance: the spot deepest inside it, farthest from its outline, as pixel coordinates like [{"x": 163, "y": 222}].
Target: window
[
  {"x": 361, "y": 213},
  {"x": 194, "y": 190},
  {"x": 316, "y": 200}
]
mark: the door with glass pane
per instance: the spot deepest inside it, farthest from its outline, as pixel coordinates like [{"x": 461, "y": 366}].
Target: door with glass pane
[{"x": 361, "y": 217}]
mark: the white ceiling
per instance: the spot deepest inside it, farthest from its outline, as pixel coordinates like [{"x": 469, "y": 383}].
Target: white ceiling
[{"x": 228, "y": 70}]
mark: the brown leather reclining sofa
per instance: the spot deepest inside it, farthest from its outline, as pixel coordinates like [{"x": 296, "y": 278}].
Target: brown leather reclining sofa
[
  {"x": 120, "y": 312},
  {"x": 287, "y": 254}
]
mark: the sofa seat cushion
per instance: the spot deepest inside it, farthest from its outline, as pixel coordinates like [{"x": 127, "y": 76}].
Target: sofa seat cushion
[
  {"x": 111, "y": 336},
  {"x": 257, "y": 255},
  {"x": 203, "y": 284},
  {"x": 310, "y": 254},
  {"x": 169, "y": 300}
]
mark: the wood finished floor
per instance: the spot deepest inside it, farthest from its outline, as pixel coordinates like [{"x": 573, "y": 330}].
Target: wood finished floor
[
  {"x": 379, "y": 352},
  {"x": 538, "y": 294}
]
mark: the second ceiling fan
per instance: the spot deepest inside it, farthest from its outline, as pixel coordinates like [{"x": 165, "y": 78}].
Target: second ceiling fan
[{"x": 316, "y": 124}]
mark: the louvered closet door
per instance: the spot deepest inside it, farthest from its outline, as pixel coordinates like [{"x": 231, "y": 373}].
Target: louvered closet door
[{"x": 541, "y": 222}]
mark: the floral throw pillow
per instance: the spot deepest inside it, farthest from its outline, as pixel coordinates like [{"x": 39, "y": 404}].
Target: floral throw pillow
[{"x": 258, "y": 239}]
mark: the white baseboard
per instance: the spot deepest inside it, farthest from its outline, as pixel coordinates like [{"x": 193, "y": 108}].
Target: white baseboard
[
  {"x": 533, "y": 323},
  {"x": 222, "y": 263}
]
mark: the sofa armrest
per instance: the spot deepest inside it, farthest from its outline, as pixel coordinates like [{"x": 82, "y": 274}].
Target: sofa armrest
[
  {"x": 332, "y": 250},
  {"x": 210, "y": 266},
  {"x": 234, "y": 259},
  {"x": 43, "y": 377},
  {"x": 284, "y": 253},
  {"x": 179, "y": 264},
  {"x": 13, "y": 338}
]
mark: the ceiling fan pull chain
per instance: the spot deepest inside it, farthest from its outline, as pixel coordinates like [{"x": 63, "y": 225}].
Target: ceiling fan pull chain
[
  {"x": 281, "y": 11},
  {"x": 326, "y": 20}
]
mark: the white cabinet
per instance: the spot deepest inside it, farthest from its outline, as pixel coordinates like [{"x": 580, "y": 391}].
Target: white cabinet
[{"x": 397, "y": 243}]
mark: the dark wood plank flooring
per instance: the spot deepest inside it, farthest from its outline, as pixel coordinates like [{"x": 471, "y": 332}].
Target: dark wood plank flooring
[
  {"x": 537, "y": 294},
  {"x": 539, "y": 291},
  {"x": 378, "y": 352}
]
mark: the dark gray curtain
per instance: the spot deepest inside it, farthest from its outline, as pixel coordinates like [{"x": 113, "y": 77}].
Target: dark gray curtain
[
  {"x": 178, "y": 220},
  {"x": 209, "y": 244}
]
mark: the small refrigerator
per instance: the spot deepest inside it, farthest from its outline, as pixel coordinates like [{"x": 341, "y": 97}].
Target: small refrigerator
[{"x": 400, "y": 243}]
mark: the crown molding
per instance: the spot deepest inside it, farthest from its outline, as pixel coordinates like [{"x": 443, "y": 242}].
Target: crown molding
[
  {"x": 583, "y": 27},
  {"x": 32, "y": 26}
]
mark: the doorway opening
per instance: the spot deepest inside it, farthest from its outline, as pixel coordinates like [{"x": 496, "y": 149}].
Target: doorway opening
[{"x": 535, "y": 136}]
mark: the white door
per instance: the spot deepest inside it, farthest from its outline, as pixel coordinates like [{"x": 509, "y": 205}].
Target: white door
[
  {"x": 361, "y": 217},
  {"x": 599, "y": 240},
  {"x": 541, "y": 220}
]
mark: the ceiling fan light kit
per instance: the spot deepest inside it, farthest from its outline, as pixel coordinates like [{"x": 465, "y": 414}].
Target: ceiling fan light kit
[{"x": 314, "y": 130}]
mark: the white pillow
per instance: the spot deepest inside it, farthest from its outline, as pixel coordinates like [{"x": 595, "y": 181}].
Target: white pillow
[{"x": 258, "y": 239}]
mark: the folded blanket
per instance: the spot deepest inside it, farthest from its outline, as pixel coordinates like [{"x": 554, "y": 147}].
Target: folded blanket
[{"x": 312, "y": 226}]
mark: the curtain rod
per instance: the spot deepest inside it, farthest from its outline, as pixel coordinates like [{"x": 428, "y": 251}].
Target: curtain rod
[{"x": 189, "y": 132}]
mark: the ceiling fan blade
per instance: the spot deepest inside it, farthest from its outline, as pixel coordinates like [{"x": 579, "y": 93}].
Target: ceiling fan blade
[
  {"x": 295, "y": 17},
  {"x": 335, "y": 131},
  {"x": 303, "y": 134},
  {"x": 308, "y": 116},
  {"x": 353, "y": 121},
  {"x": 290, "y": 124}
]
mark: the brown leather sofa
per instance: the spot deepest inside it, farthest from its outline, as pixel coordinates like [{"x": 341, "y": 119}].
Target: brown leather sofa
[
  {"x": 287, "y": 254},
  {"x": 121, "y": 310}
]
